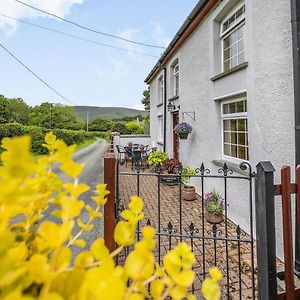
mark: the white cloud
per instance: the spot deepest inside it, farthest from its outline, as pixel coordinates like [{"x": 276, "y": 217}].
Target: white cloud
[
  {"x": 20, "y": 11},
  {"x": 115, "y": 69},
  {"x": 130, "y": 34},
  {"x": 158, "y": 34}
]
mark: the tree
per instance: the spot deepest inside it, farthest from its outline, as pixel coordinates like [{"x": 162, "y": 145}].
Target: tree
[
  {"x": 19, "y": 111},
  {"x": 146, "y": 100},
  {"x": 101, "y": 125},
  {"x": 119, "y": 127},
  {"x": 61, "y": 117},
  {"x": 4, "y": 111}
]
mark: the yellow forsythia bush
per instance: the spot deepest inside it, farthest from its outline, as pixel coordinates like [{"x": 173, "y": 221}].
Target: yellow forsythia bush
[{"x": 35, "y": 256}]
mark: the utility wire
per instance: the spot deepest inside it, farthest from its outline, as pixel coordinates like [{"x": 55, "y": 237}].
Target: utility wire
[
  {"x": 78, "y": 37},
  {"x": 89, "y": 29},
  {"x": 38, "y": 77}
]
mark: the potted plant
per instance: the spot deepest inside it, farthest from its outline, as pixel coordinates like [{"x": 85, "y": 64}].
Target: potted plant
[
  {"x": 171, "y": 166},
  {"x": 214, "y": 207},
  {"x": 183, "y": 129},
  {"x": 188, "y": 191},
  {"x": 157, "y": 158}
]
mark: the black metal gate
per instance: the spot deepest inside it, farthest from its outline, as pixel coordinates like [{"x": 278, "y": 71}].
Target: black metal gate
[{"x": 228, "y": 246}]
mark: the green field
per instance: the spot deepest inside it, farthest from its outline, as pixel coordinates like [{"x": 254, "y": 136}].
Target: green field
[{"x": 106, "y": 112}]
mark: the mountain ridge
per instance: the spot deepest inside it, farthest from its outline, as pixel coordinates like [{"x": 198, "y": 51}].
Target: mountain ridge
[{"x": 107, "y": 112}]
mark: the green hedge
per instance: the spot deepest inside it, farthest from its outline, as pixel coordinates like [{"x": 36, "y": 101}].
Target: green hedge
[{"x": 70, "y": 137}]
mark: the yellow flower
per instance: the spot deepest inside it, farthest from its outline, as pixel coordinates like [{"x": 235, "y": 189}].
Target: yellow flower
[
  {"x": 210, "y": 286},
  {"x": 179, "y": 263}
]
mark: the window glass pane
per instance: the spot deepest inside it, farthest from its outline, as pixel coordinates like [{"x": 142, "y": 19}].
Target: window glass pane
[
  {"x": 226, "y": 137},
  {"x": 241, "y": 125},
  {"x": 226, "y": 125},
  {"x": 241, "y": 45},
  {"x": 226, "y": 54},
  {"x": 226, "y": 65},
  {"x": 242, "y": 153},
  {"x": 240, "y": 33},
  {"x": 241, "y": 58},
  {"x": 232, "y": 108},
  {"x": 233, "y": 125},
  {"x": 233, "y": 150},
  {"x": 226, "y": 43},
  {"x": 242, "y": 139},
  {"x": 225, "y": 109},
  {"x": 227, "y": 149},
  {"x": 234, "y": 61},
  {"x": 240, "y": 106},
  {"x": 234, "y": 50},
  {"x": 233, "y": 138}
]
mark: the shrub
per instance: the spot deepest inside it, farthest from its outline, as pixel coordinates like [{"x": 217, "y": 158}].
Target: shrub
[
  {"x": 172, "y": 166},
  {"x": 119, "y": 127},
  {"x": 187, "y": 171},
  {"x": 35, "y": 255},
  {"x": 157, "y": 158},
  {"x": 134, "y": 128},
  {"x": 37, "y": 134}
]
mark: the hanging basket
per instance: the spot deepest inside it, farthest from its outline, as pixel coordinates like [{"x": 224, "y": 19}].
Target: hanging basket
[{"x": 183, "y": 136}]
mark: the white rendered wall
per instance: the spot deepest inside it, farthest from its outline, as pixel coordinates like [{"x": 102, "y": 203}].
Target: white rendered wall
[{"x": 268, "y": 81}]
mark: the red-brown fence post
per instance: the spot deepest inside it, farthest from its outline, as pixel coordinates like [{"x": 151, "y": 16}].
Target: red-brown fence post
[
  {"x": 287, "y": 232},
  {"x": 109, "y": 208}
]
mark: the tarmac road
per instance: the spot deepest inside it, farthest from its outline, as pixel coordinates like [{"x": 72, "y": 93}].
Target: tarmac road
[{"x": 92, "y": 158}]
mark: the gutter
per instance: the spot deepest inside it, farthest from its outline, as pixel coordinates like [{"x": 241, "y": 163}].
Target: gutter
[
  {"x": 190, "y": 24},
  {"x": 295, "y": 20}
]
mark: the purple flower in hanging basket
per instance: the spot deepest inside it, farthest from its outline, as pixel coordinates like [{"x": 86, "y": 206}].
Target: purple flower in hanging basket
[
  {"x": 183, "y": 128},
  {"x": 222, "y": 202}
]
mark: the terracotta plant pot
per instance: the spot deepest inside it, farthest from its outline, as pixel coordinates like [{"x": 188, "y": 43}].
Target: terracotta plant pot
[
  {"x": 211, "y": 218},
  {"x": 189, "y": 193}
]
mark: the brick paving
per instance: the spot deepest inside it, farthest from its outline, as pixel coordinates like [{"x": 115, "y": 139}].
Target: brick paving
[{"x": 238, "y": 275}]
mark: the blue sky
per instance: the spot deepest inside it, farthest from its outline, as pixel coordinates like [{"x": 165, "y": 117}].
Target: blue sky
[{"x": 86, "y": 74}]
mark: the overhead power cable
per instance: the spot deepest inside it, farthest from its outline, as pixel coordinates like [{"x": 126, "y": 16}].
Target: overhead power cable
[
  {"x": 38, "y": 77},
  {"x": 78, "y": 37},
  {"x": 89, "y": 29}
]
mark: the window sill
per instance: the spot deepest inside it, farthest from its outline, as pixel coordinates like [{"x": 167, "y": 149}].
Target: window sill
[
  {"x": 228, "y": 72},
  {"x": 235, "y": 167},
  {"x": 159, "y": 105}
]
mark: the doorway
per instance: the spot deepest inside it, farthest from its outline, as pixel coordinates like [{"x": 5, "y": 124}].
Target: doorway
[{"x": 175, "y": 136}]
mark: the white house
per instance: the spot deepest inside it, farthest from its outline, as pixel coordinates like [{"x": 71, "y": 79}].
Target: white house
[{"x": 229, "y": 73}]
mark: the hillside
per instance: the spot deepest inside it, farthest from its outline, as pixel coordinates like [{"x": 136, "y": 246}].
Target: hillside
[{"x": 106, "y": 112}]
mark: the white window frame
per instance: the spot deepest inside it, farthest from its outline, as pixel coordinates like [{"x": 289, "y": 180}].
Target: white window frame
[
  {"x": 175, "y": 75},
  {"x": 161, "y": 128},
  {"x": 161, "y": 89},
  {"x": 234, "y": 116},
  {"x": 239, "y": 22}
]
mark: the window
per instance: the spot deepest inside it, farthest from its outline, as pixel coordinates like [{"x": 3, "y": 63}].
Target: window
[
  {"x": 161, "y": 128},
  {"x": 161, "y": 90},
  {"x": 176, "y": 79},
  {"x": 235, "y": 128},
  {"x": 233, "y": 38}
]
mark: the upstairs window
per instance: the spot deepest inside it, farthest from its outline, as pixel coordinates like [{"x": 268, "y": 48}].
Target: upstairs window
[
  {"x": 233, "y": 38},
  {"x": 235, "y": 128},
  {"x": 161, "y": 129},
  {"x": 176, "y": 79},
  {"x": 161, "y": 90}
]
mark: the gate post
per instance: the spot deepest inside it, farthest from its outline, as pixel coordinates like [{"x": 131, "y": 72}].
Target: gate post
[
  {"x": 265, "y": 231},
  {"x": 109, "y": 207}
]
